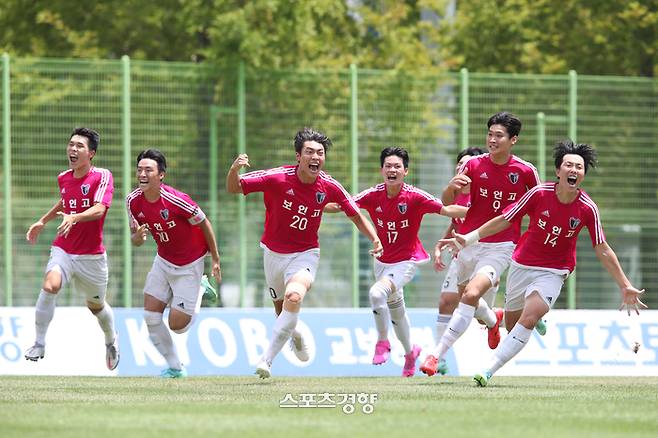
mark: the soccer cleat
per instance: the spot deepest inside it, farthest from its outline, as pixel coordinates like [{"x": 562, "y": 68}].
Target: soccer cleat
[
  {"x": 410, "y": 361},
  {"x": 264, "y": 369},
  {"x": 443, "y": 367},
  {"x": 382, "y": 351},
  {"x": 430, "y": 364},
  {"x": 173, "y": 373},
  {"x": 541, "y": 327},
  {"x": 209, "y": 293},
  {"x": 112, "y": 354},
  {"x": 35, "y": 352},
  {"x": 482, "y": 379},
  {"x": 494, "y": 332},
  {"x": 298, "y": 346}
]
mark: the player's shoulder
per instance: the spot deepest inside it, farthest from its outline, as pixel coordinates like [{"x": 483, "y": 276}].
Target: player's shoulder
[
  {"x": 418, "y": 193},
  {"x": 520, "y": 162},
  {"x": 325, "y": 179},
  {"x": 370, "y": 192},
  {"x": 134, "y": 195},
  {"x": 177, "y": 198},
  {"x": 100, "y": 171},
  {"x": 68, "y": 173},
  {"x": 586, "y": 200}
]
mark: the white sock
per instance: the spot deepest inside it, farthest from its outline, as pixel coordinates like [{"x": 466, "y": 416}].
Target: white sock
[
  {"x": 106, "y": 321},
  {"x": 400, "y": 322},
  {"x": 484, "y": 313},
  {"x": 283, "y": 327},
  {"x": 161, "y": 338},
  {"x": 442, "y": 321},
  {"x": 511, "y": 345},
  {"x": 43, "y": 314},
  {"x": 458, "y": 324},
  {"x": 378, "y": 295}
]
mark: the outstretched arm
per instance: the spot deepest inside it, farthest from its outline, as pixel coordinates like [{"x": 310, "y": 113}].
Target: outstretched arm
[
  {"x": 332, "y": 207},
  {"x": 630, "y": 296},
  {"x": 495, "y": 225},
  {"x": 36, "y": 228},
  {"x": 68, "y": 220},
  {"x": 212, "y": 247},
  {"x": 232, "y": 177},
  {"x": 368, "y": 230},
  {"x": 458, "y": 211}
]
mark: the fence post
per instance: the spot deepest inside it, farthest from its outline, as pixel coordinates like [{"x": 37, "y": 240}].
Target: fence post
[
  {"x": 6, "y": 164},
  {"x": 127, "y": 178},
  {"x": 463, "y": 107},
  {"x": 541, "y": 145},
  {"x": 242, "y": 216},
  {"x": 573, "y": 132},
  {"x": 354, "y": 155},
  {"x": 212, "y": 184}
]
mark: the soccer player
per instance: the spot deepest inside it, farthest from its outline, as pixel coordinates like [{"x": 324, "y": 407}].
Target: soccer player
[
  {"x": 294, "y": 197},
  {"x": 397, "y": 209},
  {"x": 183, "y": 236},
  {"x": 449, "y": 296},
  {"x": 496, "y": 180},
  {"x": 77, "y": 254},
  {"x": 546, "y": 253}
]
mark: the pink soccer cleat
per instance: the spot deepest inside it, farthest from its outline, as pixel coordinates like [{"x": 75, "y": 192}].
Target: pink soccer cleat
[
  {"x": 430, "y": 365},
  {"x": 410, "y": 361},
  {"x": 493, "y": 335},
  {"x": 382, "y": 351}
]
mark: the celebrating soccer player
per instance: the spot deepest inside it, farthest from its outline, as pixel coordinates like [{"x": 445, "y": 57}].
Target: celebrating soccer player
[
  {"x": 184, "y": 236},
  {"x": 496, "y": 180},
  {"x": 546, "y": 253},
  {"x": 294, "y": 197},
  {"x": 77, "y": 254}
]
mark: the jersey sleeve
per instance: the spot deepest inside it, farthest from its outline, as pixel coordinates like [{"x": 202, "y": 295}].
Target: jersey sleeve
[
  {"x": 105, "y": 189},
  {"x": 516, "y": 211},
  {"x": 593, "y": 223},
  {"x": 428, "y": 203},
  {"x": 340, "y": 195},
  {"x": 131, "y": 215},
  {"x": 532, "y": 177},
  {"x": 190, "y": 209},
  {"x": 364, "y": 199},
  {"x": 255, "y": 181}
]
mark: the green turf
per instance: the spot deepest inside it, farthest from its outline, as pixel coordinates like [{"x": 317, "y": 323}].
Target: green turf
[{"x": 528, "y": 407}]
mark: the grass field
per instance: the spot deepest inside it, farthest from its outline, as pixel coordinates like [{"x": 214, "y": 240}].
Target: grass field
[{"x": 528, "y": 407}]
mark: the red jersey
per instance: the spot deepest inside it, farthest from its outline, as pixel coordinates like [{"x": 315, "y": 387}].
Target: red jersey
[
  {"x": 398, "y": 219},
  {"x": 494, "y": 187},
  {"x": 78, "y": 195},
  {"x": 465, "y": 201},
  {"x": 550, "y": 241},
  {"x": 173, "y": 222},
  {"x": 293, "y": 210}
]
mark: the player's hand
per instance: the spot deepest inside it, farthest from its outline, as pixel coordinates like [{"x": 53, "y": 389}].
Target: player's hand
[
  {"x": 240, "y": 162},
  {"x": 459, "y": 181},
  {"x": 68, "y": 220},
  {"x": 438, "y": 263},
  {"x": 216, "y": 271},
  {"x": 34, "y": 231},
  {"x": 631, "y": 300},
  {"x": 454, "y": 244},
  {"x": 140, "y": 232},
  {"x": 377, "y": 249}
]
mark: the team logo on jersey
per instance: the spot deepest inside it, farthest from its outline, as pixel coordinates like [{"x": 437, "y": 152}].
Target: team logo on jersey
[
  {"x": 573, "y": 222},
  {"x": 513, "y": 177},
  {"x": 164, "y": 214},
  {"x": 402, "y": 207},
  {"x": 85, "y": 189},
  {"x": 319, "y": 196}
]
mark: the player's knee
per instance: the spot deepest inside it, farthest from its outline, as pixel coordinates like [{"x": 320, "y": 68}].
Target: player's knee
[
  {"x": 293, "y": 297},
  {"x": 448, "y": 302},
  {"x": 94, "y": 307},
  {"x": 379, "y": 290}
]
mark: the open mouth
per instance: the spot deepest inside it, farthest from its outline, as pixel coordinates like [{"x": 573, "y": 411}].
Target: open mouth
[
  {"x": 73, "y": 158},
  {"x": 572, "y": 179},
  {"x": 314, "y": 167},
  {"x": 391, "y": 178}
]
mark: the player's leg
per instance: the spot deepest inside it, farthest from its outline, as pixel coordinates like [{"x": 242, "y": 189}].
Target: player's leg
[
  {"x": 378, "y": 295},
  {"x": 187, "y": 291},
  {"x": 59, "y": 264}
]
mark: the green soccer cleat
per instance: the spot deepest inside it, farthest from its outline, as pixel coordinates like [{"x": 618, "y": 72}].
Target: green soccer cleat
[
  {"x": 209, "y": 293},
  {"x": 443, "y": 367},
  {"x": 541, "y": 327},
  {"x": 482, "y": 379},
  {"x": 173, "y": 373}
]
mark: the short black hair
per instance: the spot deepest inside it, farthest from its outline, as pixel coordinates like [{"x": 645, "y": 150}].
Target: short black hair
[
  {"x": 567, "y": 146},
  {"x": 310, "y": 134},
  {"x": 93, "y": 138},
  {"x": 511, "y": 122},
  {"x": 470, "y": 151},
  {"x": 398, "y": 152},
  {"x": 155, "y": 155}
]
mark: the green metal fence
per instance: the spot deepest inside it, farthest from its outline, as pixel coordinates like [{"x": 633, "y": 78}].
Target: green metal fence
[{"x": 201, "y": 117}]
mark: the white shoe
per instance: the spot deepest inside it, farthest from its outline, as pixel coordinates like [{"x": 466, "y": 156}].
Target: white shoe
[
  {"x": 35, "y": 352},
  {"x": 264, "y": 369},
  {"x": 298, "y": 346},
  {"x": 112, "y": 354}
]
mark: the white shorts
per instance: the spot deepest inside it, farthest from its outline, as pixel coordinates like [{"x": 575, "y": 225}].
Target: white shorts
[
  {"x": 523, "y": 280},
  {"x": 179, "y": 284},
  {"x": 399, "y": 274},
  {"x": 450, "y": 285},
  {"x": 280, "y": 268},
  {"x": 490, "y": 259},
  {"x": 87, "y": 273}
]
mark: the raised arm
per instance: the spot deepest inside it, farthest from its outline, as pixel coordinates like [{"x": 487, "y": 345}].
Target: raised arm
[
  {"x": 455, "y": 185},
  {"x": 630, "y": 296},
  {"x": 36, "y": 228},
  {"x": 233, "y": 177}
]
